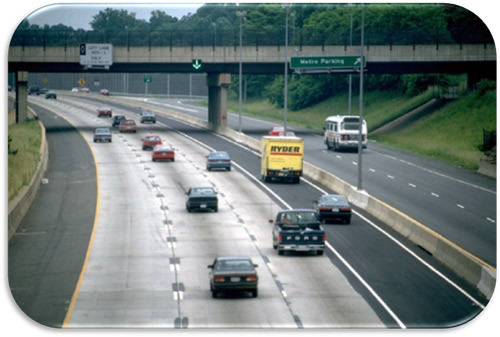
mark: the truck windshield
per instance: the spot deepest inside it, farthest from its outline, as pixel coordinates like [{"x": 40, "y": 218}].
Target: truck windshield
[{"x": 297, "y": 218}]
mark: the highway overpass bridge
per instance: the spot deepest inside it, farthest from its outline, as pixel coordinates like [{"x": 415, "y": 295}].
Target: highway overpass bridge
[{"x": 476, "y": 60}]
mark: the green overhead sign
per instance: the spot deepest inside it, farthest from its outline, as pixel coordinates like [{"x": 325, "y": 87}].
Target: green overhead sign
[{"x": 316, "y": 62}]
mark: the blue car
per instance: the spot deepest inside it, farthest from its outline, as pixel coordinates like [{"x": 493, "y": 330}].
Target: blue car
[{"x": 218, "y": 160}]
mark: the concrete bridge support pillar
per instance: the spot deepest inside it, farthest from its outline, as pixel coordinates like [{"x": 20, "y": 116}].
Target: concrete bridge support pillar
[
  {"x": 217, "y": 99},
  {"x": 21, "y": 96}
]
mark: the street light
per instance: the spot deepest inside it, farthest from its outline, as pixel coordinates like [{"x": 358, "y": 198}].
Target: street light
[
  {"x": 361, "y": 71},
  {"x": 241, "y": 15},
  {"x": 285, "y": 103}
]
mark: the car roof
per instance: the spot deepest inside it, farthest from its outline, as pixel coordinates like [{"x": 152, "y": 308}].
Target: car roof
[
  {"x": 102, "y": 129},
  {"x": 296, "y": 210}
]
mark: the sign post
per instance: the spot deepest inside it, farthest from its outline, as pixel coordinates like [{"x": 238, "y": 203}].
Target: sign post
[{"x": 148, "y": 79}]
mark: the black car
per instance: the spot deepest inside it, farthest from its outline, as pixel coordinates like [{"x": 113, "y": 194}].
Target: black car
[
  {"x": 333, "y": 207},
  {"x": 148, "y": 116},
  {"x": 233, "y": 273},
  {"x": 117, "y": 119},
  {"x": 50, "y": 94},
  {"x": 102, "y": 135},
  {"x": 202, "y": 198}
]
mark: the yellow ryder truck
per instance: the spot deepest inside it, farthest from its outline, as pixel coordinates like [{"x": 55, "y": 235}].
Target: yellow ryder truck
[{"x": 282, "y": 158}]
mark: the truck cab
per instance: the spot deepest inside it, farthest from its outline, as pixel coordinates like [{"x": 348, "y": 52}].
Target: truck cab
[{"x": 298, "y": 230}]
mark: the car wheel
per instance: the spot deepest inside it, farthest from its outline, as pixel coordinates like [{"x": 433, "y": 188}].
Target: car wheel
[
  {"x": 280, "y": 252},
  {"x": 229, "y": 168},
  {"x": 214, "y": 294},
  {"x": 320, "y": 252},
  {"x": 208, "y": 168},
  {"x": 216, "y": 209},
  {"x": 255, "y": 292}
]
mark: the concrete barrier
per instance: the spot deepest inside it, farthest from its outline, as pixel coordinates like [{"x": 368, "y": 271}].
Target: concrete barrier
[
  {"x": 19, "y": 206},
  {"x": 470, "y": 268}
]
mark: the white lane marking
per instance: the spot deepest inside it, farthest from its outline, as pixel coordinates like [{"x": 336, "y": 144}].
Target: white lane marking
[
  {"x": 367, "y": 286},
  {"x": 435, "y": 194},
  {"x": 491, "y": 220},
  {"x": 372, "y": 170},
  {"x": 390, "y": 177},
  {"x": 355, "y": 163},
  {"x": 439, "y": 174},
  {"x": 339, "y": 157},
  {"x": 412, "y": 185},
  {"x": 431, "y": 268},
  {"x": 460, "y": 206}
]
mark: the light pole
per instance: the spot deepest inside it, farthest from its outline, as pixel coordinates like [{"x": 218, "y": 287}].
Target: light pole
[
  {"x": 361, "y": 71},
  {"x": 285, "y": 103},
  {"x": 241, "y": 15},
  {"x": 349, "y": 103}
]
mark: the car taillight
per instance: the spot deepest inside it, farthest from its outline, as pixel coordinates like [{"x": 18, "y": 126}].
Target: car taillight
[
  {"x": 280, "y": 237},
  {"x": 325, "y": 209},
  {"x": 345, "y": 209},
  {"x": 323, "y": 237},
  {"x": 219, "y": 279},
  {"x": 251, "y": 279}
]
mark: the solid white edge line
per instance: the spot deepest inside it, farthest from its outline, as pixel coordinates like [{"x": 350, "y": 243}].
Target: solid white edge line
[{"x": 367, "y": 286}]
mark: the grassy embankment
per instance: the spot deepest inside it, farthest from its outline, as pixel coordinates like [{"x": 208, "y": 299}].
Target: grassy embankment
[
  {"x": 452, "y": 134},
  {"x": 26, "y": 140}
]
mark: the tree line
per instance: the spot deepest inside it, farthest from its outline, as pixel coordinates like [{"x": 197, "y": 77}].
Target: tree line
[{"x": 313, "y": 24}]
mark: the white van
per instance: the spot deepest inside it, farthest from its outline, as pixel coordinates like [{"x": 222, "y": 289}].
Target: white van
[{"x": 342, "y": 132}]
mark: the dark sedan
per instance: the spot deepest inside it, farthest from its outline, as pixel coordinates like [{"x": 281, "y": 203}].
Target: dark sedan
[
  {"x": 117, "y": 120},
  {"x": 333, "y": 207},
  {"x": 233, "y": 273},
  {"x": 218, "y": 160},
  {"x": 202, "y": 198},
  {"x": 102, "y": 135},
  {"x": 51, "y": 94}
]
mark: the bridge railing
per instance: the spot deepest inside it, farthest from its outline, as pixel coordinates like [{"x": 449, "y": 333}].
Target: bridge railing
[{"x": 226, "y": 37}]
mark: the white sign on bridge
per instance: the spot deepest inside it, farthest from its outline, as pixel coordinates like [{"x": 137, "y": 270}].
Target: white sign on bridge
[{"x": 96, "y": 55}]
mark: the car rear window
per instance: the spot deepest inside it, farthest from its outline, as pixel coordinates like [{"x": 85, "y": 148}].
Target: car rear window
[{"x": 234, "y": 265}]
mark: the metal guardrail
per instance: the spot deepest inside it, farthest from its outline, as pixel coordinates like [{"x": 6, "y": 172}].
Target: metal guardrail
[{"x": 230, "y": 37}]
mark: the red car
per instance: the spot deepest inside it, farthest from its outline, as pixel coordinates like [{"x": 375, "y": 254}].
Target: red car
[
  {"x": 150, "y": 142},
  {"x": 128, "y": 125},
  {"x": 104, "y": 111},
  {"x": 163, "y": 152},
  {"x": 276, "y": 131}
]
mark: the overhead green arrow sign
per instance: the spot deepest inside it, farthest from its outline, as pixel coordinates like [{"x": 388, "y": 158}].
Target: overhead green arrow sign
[
  {"x": 339, "y": 62},
  {"x": 197, "y": 64}
]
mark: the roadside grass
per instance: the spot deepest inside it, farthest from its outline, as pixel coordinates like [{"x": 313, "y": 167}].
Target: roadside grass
[
  {"x": 26, "y": 139},
  {"x": 379, "y": 108},
  {"x": 453, "y": 134}
]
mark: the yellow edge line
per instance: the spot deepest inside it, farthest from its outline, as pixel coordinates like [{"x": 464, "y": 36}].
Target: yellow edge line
[{"x": 74, "y": 298}]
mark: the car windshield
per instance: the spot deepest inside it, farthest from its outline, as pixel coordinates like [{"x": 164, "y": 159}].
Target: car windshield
[
  {"x": 234, "y": 264},
  {"x": 128, "y": 122},
  {"x": 152, "y": 138},
  {"x": 102, "y": 131},
  {"x": 148, "y": 113}
]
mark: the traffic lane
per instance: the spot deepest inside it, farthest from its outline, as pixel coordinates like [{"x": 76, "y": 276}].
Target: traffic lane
[
  {"x": 97, "y": 285},
  {"x": 47, "y": 252},
  {"x": 249, "y": 162},
  {"x": 302, "y": 195},
  {"x": 127, "y": 282}
]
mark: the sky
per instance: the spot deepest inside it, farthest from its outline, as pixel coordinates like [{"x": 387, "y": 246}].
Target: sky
[{"x": 80, "y": 15}]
